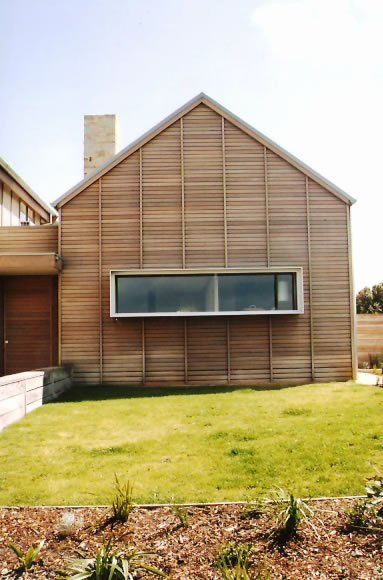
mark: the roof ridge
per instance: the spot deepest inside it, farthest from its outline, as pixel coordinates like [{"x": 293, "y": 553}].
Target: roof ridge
[{"x": 172, "y": 118}]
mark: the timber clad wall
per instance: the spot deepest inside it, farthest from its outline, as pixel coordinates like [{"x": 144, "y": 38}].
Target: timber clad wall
[
  {"x": 29, "y": 239},
  {"x": 13, "y": 210},
  {"x": 370, "y": 336},
  {"x": 203, "y": 193}
]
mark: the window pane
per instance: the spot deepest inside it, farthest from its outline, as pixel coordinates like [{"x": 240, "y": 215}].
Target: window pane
[
  {"x": 146, "y": 294},
  {"x": 285, "y": 292},
  {"x": 246, "y": 292},
  {"x": 23, "y": 212}
]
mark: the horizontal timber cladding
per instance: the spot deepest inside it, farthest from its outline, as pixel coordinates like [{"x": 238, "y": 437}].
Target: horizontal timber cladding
[
  {"x": 330, "y": 285},
  {"x": 203, "y": 193},
  {"x": 370, "y": 336},
  {"x": 245, "y": 198},
  {"x": 204, "y": 202},
  {"x": 291, "y": 355},
  {"x": 36, "y": 239},
  {"x": 79, "y": 296}
]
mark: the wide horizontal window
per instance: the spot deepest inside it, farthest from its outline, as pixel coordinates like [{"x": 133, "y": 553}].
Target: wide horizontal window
[{"x": 203, "y": 294}]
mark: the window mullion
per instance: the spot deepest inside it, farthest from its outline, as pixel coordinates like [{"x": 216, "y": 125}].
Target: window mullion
[
  {"x": 276, "y": 301},
  {"x": 216, "y": 299}
]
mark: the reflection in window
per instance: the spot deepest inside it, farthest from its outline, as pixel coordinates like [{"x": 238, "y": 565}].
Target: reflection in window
[
  {"x": 246, "y": 292},
  {"x": 205, "y": 293},
  {"x": 285, "y": 292},
  {"x": 165, "y": 294}
]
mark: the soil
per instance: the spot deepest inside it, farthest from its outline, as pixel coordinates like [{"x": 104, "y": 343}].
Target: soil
[{"x": 324, "y": 547}]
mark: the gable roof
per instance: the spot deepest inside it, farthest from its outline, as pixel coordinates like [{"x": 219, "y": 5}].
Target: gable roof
[
  {"x": 189, "y": 106},
  {"x": 24, "y": 187}
]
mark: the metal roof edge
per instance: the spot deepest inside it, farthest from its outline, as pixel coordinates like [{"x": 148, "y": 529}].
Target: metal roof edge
[
  {"x": 89, "y": 179},
  {"x": 203, "y": 98},
  {"x": 8, "y": 169},
  {"x": 283, "y": 152}
]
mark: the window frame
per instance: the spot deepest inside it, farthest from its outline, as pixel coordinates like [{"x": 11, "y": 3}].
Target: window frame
[{"x": 298, "y": 271}]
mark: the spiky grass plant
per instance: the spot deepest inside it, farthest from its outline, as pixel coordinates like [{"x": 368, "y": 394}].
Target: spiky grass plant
[
  {"x": 122, "y": 504},
  {"x": 234, "y": 561},
  {"x": 182, "y": 515},
  {"x": 290, "y": 511},
  {"x": 109, "y": 564},
  {"x": 28, "y": 557}
]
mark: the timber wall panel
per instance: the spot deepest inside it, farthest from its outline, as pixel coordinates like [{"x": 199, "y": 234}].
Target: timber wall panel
[
  {"x": 249, "y": 349},
  {"x": 122, "y": 351},
  {"x": 120, "y": 240},
  {"x": 162, "y": 229},
  {"x": 203, "y": 188},
  {"x": 330, "y": 285},
  {"x": 80, "y": 310},
  {"x": 121, "y": 215},
  {"x": 288, "y": 247},
  {"x": 207, "y": 354},
  {"x": 246, "y": 206},
  {"x": 29, "y": 239},
  {"x": 370, "y": 336},
  {"x": 204, "y": 194},
  {"x": 164, "y": 351}
]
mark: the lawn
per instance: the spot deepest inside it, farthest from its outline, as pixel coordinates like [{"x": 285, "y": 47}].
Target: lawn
[{"x": 201, "y": 445}]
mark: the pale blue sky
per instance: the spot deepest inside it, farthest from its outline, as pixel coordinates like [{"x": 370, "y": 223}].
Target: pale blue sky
[{"x": 307, "y": 73}]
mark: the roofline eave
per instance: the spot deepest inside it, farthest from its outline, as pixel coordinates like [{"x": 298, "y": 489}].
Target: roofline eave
[
  {"x": 46, "y": 206},
  {"x": 172, "y": 118}
]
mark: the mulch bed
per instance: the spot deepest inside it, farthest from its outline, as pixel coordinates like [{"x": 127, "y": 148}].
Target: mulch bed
[{"x": 328, "y": 551}]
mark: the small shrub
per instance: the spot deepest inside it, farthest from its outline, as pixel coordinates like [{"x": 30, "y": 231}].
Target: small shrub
[
  {"x": 122, "y": 505},
  {"x": 69, "y": 524},
  {"x": 374, "y": 490},
  {"x": 358, "y": 516},
  {"x": 364, "y": 365},
  {"x": 234, "y": 561},
  {"x": 28, "y": 558},
  {"x": 253, "y": 510},
  {"x": 376, "y": 361},
  {"x": 290, "y": 511},
  {"x": 109, "y": 564},
  {"x": 182, "y": 515},
  {"x": 367, "y": 515}
]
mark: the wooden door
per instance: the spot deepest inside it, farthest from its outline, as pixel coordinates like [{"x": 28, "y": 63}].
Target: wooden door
[{"x": 30, "y": 323}]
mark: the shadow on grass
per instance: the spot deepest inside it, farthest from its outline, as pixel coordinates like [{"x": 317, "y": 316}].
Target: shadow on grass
[{"x": 105, "y": 392}]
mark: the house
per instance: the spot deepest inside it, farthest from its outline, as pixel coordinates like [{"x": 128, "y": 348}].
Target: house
[
  {"x": 201, "y": 254},
  {"x": 28, "y": 253}
]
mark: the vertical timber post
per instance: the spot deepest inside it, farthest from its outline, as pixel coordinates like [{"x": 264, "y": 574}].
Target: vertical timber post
[
  {"x": 308, "y": 221},
  {"x": 268, "y": 260}
]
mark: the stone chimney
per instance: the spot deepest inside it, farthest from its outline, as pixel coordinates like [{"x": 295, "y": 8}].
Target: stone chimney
[{"x": 100, "y": 140}]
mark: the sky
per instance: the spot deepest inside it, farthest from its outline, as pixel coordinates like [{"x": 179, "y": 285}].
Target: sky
[{"x": 307, "y": 73}]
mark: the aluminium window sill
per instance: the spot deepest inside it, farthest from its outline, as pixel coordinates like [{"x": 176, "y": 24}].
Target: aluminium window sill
[{"x": 183, "y": 314}]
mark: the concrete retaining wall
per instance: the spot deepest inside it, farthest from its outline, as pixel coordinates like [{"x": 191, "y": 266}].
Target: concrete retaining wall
[{"x": 24, "y": 392}]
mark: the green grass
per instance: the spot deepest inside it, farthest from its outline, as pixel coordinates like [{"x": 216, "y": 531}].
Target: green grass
[{"x": 206, "y": 445}]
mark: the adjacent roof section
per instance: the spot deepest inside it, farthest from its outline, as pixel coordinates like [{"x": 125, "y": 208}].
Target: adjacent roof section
[
  {"x": 23, "y": 190},
  {"x": 202, "y": 98}
]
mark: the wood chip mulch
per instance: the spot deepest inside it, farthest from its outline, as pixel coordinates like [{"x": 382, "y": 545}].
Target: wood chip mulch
[{"x": 327, "y": 550}]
